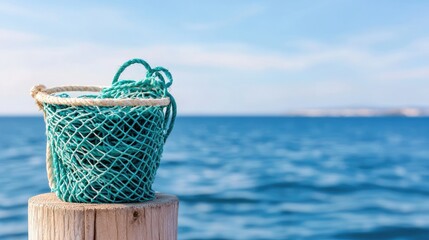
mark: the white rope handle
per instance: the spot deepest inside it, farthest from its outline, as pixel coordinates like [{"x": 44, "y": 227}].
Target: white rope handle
[{"x": 44, "y": 95}]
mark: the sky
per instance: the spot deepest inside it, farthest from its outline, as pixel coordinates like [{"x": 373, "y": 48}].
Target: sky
[{"x": 227, "y": 57}]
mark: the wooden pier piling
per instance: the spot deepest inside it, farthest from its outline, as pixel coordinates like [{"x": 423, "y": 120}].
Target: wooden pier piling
[{"x": 52, "y": 219}]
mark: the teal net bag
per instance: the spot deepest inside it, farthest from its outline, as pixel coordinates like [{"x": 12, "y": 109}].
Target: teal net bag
[{"x": 106, "y": 147}]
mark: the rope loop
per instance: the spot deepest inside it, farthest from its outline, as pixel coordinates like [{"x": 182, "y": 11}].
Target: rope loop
[
  {"x": 151, "y": 72},
  {"x": 127, "y": 64}
]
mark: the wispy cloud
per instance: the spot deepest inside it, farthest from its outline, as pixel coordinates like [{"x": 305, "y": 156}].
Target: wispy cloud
[
  {"x": 231, "y": 78},
  {"x": 14, "y": 10},
  {"x": 8, "y": 37},
  {"x": 403, "y": 74}
]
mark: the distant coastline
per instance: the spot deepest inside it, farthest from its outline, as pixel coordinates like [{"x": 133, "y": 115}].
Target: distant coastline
[
  {"x": 361, "y": 112},
  {"x": 304, "y": 112}
]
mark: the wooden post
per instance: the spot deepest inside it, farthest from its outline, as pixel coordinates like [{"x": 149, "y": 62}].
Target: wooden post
[{"x": 52, "y": 219}]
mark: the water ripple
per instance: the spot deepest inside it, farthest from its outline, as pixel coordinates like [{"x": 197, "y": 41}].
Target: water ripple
[{"x": 263, "y": 178}]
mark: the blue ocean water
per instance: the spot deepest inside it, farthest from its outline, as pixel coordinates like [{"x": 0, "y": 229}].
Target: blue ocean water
[{"x": 263, "y": 177}]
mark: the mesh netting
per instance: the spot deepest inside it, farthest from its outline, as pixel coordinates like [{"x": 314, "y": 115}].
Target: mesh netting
[{"x": 110, "y": 154}]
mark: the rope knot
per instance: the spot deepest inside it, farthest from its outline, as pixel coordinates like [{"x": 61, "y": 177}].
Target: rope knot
[{"x": 34, "y": 91}]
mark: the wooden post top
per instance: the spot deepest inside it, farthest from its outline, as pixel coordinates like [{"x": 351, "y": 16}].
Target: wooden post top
[
  {"x": 49, "y": 218},
  {"x": 52, "y": 201}
]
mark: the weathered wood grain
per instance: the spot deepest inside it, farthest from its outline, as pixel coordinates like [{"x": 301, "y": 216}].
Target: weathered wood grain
[{"x": 52, "y": 219}]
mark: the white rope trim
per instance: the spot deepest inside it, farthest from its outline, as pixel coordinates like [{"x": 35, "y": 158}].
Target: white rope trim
[{"x": 43, "y": 95}]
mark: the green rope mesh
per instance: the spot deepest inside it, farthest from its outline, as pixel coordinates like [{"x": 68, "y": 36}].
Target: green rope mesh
[{"x": 111, "y": 154}]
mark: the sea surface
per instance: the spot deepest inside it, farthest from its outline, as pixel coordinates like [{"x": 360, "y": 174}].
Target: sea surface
[{"x": 262, "y": 177}]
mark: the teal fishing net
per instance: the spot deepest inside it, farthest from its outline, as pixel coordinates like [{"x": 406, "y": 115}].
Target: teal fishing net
[{"x": 110, "y": 154}]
